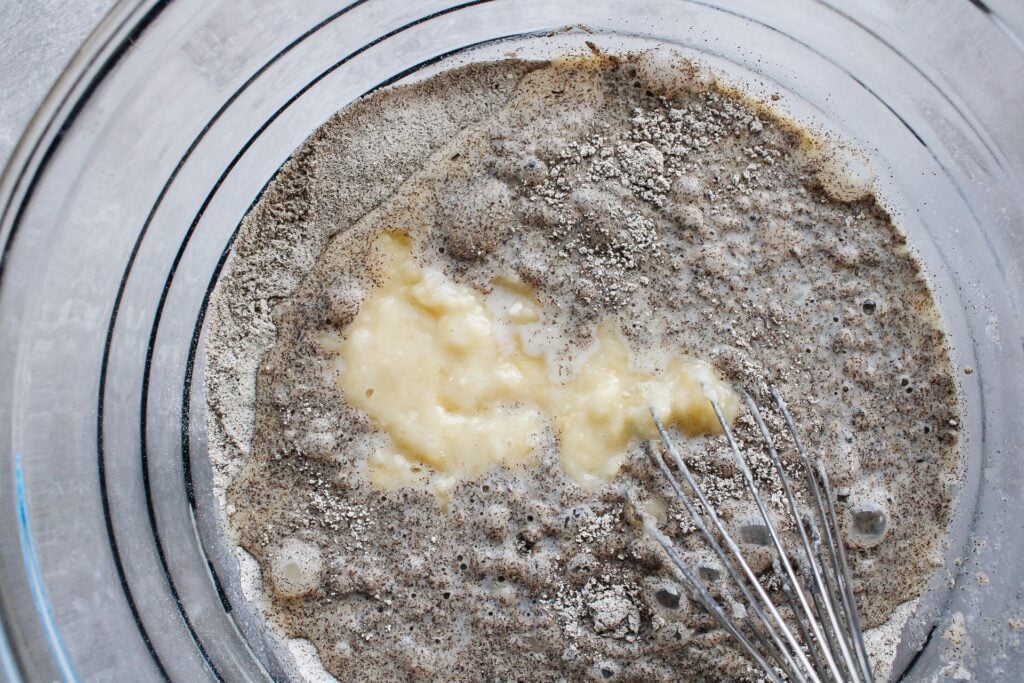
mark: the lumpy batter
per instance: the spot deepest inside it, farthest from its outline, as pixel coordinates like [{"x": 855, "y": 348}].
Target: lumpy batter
[{"x": 507, "y": 243}]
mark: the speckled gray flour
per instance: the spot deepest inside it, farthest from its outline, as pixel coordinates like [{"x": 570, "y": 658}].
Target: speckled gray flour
[{"x": 696, "y": 221}]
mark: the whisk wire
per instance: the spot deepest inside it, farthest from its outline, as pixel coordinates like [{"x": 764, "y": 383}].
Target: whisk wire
[
  {"x": 790, "y": 576},
  {"x": 776, "y": 627},
  {"x": 815, "y": 579},
  {"x": 843, "y": 571},
  {"x": 818, "y": 480},
  {"x": 697, "y": 589},
  {"x": 800, "y": 594},
  {"x": 777, "y": 649},
  {"x": 828, "y": 637},
  {"x": 787, "y": 591}
]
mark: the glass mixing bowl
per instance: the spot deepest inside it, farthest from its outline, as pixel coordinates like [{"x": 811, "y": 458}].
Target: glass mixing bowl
[{"x": 122, "y": 200}]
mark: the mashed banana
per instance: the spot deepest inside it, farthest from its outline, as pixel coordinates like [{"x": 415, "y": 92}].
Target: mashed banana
[{"x": 442, "y": 370}]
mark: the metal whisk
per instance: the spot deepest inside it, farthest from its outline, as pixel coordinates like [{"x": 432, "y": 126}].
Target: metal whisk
[{"x": 821, "y": 640}]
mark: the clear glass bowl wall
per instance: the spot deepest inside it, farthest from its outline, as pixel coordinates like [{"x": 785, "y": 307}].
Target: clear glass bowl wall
[{"x": 121, "y": 203}]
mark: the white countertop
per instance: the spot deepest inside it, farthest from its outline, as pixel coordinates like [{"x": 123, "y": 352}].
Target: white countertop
[{"x": 37, "y": 38}]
